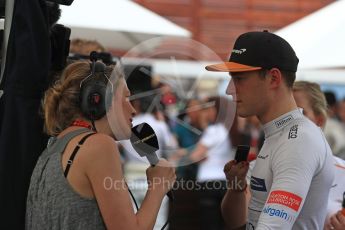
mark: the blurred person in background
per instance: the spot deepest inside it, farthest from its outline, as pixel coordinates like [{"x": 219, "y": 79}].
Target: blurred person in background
[
  {"x": 310, "y": 98},
  {"x": 192, "y": 121},
  {"x": 85, "y": 47},
  {"x": 168, "y": 101},
  {"x": 334, "y": 131},
  {"x": 341, "y": 112},
  {"x": 332, "y": 103},
  {"x": 211, "y": 152},
  {"x": 188, "y": 130},
  {"x": 252, "y": 134}
]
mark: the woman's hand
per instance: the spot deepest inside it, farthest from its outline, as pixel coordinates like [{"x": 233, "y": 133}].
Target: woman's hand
[{"x": 161, "y": 177}]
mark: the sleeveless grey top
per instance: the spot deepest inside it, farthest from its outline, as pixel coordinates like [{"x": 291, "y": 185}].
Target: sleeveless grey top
[{"x": 52, "y": 203}]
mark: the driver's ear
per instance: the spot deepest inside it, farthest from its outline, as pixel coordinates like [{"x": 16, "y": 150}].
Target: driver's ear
[{"x": 275, "y": 77}]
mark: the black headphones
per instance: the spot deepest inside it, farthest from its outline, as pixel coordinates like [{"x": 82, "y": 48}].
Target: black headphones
[{"x": 94, "y": 96}]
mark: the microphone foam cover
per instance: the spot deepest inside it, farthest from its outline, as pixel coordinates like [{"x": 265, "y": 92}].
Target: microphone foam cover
[{"x": 144, "y": 139}]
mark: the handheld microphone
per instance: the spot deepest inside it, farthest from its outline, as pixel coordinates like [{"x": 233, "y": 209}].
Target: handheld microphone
[{"x": 145, "y": 142}]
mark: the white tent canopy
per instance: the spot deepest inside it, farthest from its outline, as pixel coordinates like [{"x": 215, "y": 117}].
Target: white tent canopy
[
  {"x": 119, "y": 24},
  {"x": 318, "y": 38},
  {"x": 183, "y": 69}
]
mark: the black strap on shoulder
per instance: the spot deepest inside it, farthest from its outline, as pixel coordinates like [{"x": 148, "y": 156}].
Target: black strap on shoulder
[{"x": 70, "y": 161}]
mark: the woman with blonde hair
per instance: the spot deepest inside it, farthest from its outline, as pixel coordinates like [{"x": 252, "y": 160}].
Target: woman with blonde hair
[
  {"x": 311, "y": 99},
  {"x": 78, "y": 182}
]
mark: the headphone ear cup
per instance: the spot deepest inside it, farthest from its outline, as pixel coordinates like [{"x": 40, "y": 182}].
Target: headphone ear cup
[{"x": 92, "y": 99}]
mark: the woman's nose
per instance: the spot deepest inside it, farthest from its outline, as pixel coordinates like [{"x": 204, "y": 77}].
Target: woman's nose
[{"x": 133, "y": 111}]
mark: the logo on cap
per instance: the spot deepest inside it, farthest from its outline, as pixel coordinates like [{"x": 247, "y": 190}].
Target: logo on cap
[{"x": 239, "y": 51}]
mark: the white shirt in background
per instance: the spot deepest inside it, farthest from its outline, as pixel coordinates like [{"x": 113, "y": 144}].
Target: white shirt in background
[{"x": 215, "y": 138}]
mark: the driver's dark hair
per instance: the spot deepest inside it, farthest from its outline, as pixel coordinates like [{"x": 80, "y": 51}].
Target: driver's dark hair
[{"x": 289, "y": 77}]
